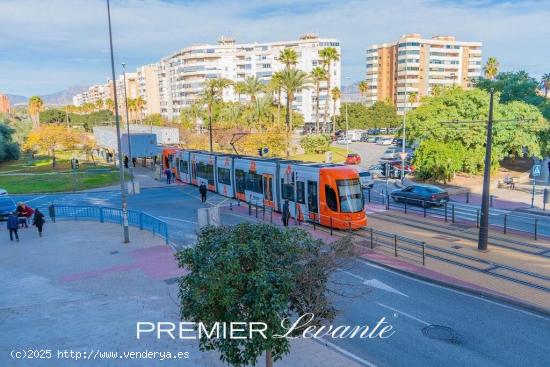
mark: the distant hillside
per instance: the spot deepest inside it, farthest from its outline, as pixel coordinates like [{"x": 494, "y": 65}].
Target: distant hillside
[{"x": 54, "y": 99}]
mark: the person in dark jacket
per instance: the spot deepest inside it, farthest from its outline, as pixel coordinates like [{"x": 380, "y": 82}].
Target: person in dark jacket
[
  {"x": 168, "y": 174},
  {"x": 134, "y": 161},
  {"x": 13, "y": 225},
  {"x": 20, "y": 213},
  {"x": 125, "y": 161},
  {"x": 38, "y": 221},
  {"x": 286, "y": 213},
  {"x": 203, "y": 190}
]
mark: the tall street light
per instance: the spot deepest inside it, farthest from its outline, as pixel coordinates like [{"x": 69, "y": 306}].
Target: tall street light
[
  {"x": 347, "y": 126},
  {"x": 485, "y": 198},
  {"x": 404, "y": 136},
  {"x": 130, "y": 164},
  {"x": 117, "y": 121}
]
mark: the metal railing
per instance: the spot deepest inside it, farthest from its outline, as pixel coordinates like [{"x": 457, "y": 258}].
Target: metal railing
[{"x": 141, "y": 220}]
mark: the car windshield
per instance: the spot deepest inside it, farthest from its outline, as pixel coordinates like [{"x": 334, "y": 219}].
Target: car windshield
[{"x": 351, "y": 195}]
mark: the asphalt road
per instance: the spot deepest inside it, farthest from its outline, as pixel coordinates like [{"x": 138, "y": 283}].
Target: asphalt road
[{"x": 485, "y": 332}]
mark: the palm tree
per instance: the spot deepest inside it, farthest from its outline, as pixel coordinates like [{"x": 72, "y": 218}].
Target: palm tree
[
  {"x": 110, "y": 104},
  {"x": 261, "y": 109},
  {"x": 130, "y": 106},
  {"x": 363, "y": 88},
  {"x": 276, "y": 85},
  {"x": 99, "y": 104},
  {"x": 211, "y": 95},
  {"x": 35, "y": 105},
  {"x": 253, "y": 87},
  {"x": 491, "y": 68},
  {"x": 139, "y": 105},
  {"x": 335, "y": 94},
  {"x": 318, "y": 74},
  {"x": 328, "y": 55},
  {"x": 413, "y": 97},
  {"x": 546, "y": 84},
  {"x": 240, "y": 89},
  {"x": 289, "y": 57},
  {"x": 292, "y": 80}
]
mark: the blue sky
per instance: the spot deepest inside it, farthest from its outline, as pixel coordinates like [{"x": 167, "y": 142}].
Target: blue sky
[{"x": 47, "y": 46}]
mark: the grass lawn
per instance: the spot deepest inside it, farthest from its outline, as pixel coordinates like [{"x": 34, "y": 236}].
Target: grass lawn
[
  {"x": 43, "y": 164},
  {"x": 23, "y": 184},
  {"x": 338, "y": 156}
]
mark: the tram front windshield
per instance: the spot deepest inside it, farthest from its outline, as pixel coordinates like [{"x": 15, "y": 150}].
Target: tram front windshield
[{"x": 351, "y": 195}]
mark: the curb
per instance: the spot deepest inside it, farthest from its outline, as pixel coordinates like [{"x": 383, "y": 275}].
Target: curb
[{"x": 495, "y": 296}]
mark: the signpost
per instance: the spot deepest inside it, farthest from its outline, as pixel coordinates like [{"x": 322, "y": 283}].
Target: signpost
[{"x": 535, "y": 172}]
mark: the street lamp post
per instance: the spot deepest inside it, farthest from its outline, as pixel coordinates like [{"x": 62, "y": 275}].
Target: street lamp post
[
  {"x": 117, "y": 121},
  {"x": 130, "y": 164},
  {"x": 484, "y": 218},
  {"x": 347, "y": 126},
  {"x": 404, "y": 137}
]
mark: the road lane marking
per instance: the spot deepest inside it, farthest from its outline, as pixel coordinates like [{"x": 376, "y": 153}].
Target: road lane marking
[
  {"x": 346, "y": 353},
  {"x": 179, "y": 220},
  {"x": 39, "y": 197},
  {"x": 375, "y": 283},
  {"x": 403, "y": 313},
  {"x": 453, "y": 290}
]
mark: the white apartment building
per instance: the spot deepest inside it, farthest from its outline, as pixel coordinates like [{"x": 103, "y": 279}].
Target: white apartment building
[
  {"x": 416, "y": 65},
  {"x": 93, "y": 94},
  {"x": 182, "y": 75}
]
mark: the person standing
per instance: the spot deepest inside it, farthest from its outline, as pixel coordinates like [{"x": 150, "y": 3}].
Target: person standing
[
  {"x": 13, "y": 226},
  {"x": 20, "y": 213},
  {"x": 134, "y": 161},
  {"x": 168, "y": 174},
  {"x": 203, "y": 190},
  {"x": 125, "y": 161},
  {"x": 286, "y": 213},
  {"x": 38, "y": 221}
]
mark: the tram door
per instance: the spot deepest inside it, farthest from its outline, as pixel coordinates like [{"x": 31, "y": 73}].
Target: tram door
[
  {"x": 312, "y": 200},
  {"x": 268, "y": 190}
]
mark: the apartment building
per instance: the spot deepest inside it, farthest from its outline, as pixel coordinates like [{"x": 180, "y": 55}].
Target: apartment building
[
  {"x": 183, "y": 75},
  {"x": 416, "y": 65},
  {"x": 149, "y": 87},
  {"x": 94, "y": 93}
]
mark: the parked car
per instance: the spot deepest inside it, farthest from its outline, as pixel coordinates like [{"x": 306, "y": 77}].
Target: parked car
[
  {"x": 7, "y": 205},
  {"x": 390, "y": 153},
  {"x": 371, "y": 139},
  {"x": 373, "y": 131},
  {"x": 343, "y": 141},
  {"x": 384, "y": 141},
  {"x": 364, "y": 137},
  {"x": 397, "y": 141},
  {"x": 353, "y": 158},
  {"x": 365, "y": 177},
  {"x": 424, "y": 195}
]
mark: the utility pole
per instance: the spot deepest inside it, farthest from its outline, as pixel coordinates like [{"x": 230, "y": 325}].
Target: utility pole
[
  {"x": 130, "y": 164},
  {"x": 117, "y": 122},
  {"x": 484, "y": 218},
  {"x": 403, "y": 142}
]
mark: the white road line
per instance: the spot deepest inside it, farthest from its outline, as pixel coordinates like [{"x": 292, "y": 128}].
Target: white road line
[
  {"x": 352, "y": 275},
  {"x": 40, "y": 197},
  {"x": 403, "y": 313},
  {"x": 453, "y": 290},
  {"x": 179, "y": 220},
  {"x": 346, "y": 353}
]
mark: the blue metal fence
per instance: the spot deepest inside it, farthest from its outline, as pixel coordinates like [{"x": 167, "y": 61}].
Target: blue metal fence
[{"x": 137, "y": 219}]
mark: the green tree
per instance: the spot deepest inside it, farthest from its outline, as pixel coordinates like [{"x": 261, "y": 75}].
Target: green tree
[
  {"x": 513, "y": 86},
  {"x": 318, "y": 75},
  {"x": 328, "y": 55},
  {"x": 254, "y": 86},
  {"x": 545, "y": 82},
  {"x": 52, "y": 115},
  {"x": 213, "y": 94},
  {"x": 155, "y": 119},
  {"x": 316, "y": 143},
  {"x": 256, "y": 272},
  {"x": 292, "y": 80},
  {"x": 335, "y": 94},
  {"x": 438, "y": 161},
  {"x": 275, "y": 85},
  {"x": 239, "y": 89},
  {"x": 491, "y": 68},
  {"x": 381, "y": 114},
  {"x": 9, "y": 149}
]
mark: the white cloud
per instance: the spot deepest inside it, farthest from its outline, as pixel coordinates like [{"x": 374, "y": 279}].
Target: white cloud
[{"x": 48, "y": 45}]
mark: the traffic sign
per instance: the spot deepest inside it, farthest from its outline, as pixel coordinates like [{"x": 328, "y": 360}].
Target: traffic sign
[
  {"x": 536, "y": 170},
  {"x": 403, "y": 156}
]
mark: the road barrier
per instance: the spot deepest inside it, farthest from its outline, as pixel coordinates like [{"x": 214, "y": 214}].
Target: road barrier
[{"x": 141, "y": 220}]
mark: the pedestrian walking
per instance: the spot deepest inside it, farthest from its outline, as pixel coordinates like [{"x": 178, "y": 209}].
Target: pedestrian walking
[
  {"x": 203, "y": 190},
  {"x": 38, "y": 221},
  {"x": 286, "y": 213},
  {"x": 28, "y": 212},
  {"x": 20, "y": 214},
  {"x": 168, "y": 174},
  {"x": 134, "y": 161},
  {"x": 13, "y": 226},
  {"x": 125, "y": 161}
]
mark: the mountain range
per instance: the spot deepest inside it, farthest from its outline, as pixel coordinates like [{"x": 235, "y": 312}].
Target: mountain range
[{"x": 63, "y": 97}]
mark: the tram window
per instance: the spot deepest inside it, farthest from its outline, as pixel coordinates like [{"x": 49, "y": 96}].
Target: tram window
[
  {"x": 351, "y": 195},
  {"x": 254, "y": 183},
  {"x": 300, "y": 192},
  {"x": 287, "y": 191},
  {"x": 224, "y": 176},
  {"x": 184, "y": 167},
  {"x": 331, "y": 198},
  {"x": 205, "y": 171},
  {"x": 239, "y": 181}
]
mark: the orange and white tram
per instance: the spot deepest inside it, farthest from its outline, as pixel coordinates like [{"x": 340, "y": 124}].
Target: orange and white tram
[{"x": 329, "y": 194}]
